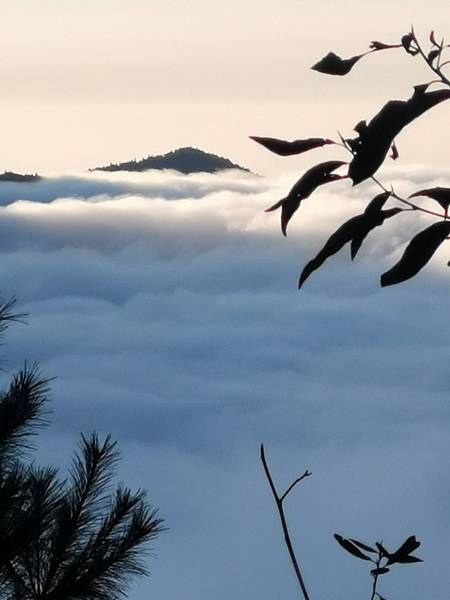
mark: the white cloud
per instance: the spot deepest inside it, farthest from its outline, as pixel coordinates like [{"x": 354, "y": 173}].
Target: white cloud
[{"x": 168, "y": 310}]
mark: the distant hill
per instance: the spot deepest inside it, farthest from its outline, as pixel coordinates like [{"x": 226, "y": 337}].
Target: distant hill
[
  {"x": 9, "y": 176},
  {"x": 184, "y": 160}
]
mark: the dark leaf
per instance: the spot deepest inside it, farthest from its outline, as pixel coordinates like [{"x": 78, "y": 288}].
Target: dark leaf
[
  {"x": 355, "y": 230},
  {"x": 418, "y": 252},
  {"x": 317, "y": 175},
  {"x": 340, "y": 237},
  {"x": 363, "y": 546},
  {"x": 361, "y": 127},
  {"x": 421, "y": 88},
  {"x": 352, "y": 144},
  {"x": 408, "y": 546},
  {"x": 375, "y": 45},
  {"x": 284, "y": 148},
  {"x": 394, "y": 149},
  {"x": 377, "y": 203},
  {"x": 376, "y": 138},
  {"x": 347, "y": 545},
  {"x": 433, "y": 39},
  {"x": 433, "y": 54},
  {"x": 383, "y": 215},
  {"x": 380, "y": 571},
  {"x": 332, "y": 64},
  {"x": 407, "y": 41},
  {"x": 440, "y": 194},
  {"x": 408, "y": 559}
]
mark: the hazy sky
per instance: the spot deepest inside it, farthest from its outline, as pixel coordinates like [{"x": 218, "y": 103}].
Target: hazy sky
[
  {"x": 167, "y": 306},
  {"x": 86, "y": 83}
]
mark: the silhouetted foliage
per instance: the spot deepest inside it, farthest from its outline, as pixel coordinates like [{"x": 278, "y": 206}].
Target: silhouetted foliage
[
  {"x": 375, "y": 138},
  {"x": 332, "y": 64},
  {"x": 368, "y": 152},
  {"x": 376, "y": 554},
  {"x": 318, "y": 175},
  {"x": 354, "y": 230},
  {"x": 81, "y": 538},
  {"x": 440, "y": 194},
  {"x": 418, "y": 252},
  {"x": 383, "y": 559},
  {"x": 284, "y": 148}
]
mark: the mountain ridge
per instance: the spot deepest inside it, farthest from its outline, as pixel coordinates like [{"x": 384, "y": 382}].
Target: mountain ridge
[{"x": 186, "y": 160}]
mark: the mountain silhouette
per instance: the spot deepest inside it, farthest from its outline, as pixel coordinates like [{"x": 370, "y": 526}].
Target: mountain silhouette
[
  {"x": 185, "y": 160},
  {"x": 9, "y": 176}
]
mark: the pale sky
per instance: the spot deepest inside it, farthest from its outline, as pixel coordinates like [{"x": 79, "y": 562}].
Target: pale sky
[{"x": 86, "y": 83}]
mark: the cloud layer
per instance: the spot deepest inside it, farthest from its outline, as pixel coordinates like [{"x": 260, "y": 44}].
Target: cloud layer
[{"x": 167, "y": 308}]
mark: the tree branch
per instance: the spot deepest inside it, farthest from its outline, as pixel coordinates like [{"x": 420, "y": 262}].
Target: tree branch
[
  {"x": 279, "y": 505},
  {"x": 294, "y": 483}
]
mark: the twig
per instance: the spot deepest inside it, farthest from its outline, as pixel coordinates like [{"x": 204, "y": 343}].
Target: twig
[
  {"x": 404, "y": 201},
  {"x": 294, "y": 483},
  {"x": 375, "y": 577},
  {"x": 279, "y": 504},
  {"x": 436, "y": 69}
]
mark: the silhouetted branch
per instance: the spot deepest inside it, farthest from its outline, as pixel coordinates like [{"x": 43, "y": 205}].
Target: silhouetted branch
[
  {"x": 294, "y": 483},
  {"x": 279, "y": 504},
  {"x": 436, "y": 69}
]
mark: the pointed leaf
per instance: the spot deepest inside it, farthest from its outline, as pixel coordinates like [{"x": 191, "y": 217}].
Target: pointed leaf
[
  {"x": 332, "y": 64},
  {"x": 382, "y": 216},
  {"x": 375, "y": 140},
  {"x": 408, "y": 546},
  {"x": 355, "y": 230},
  {"x": 433, "y": 54},
  {"x": 340, "y": 237},
  {"x": 408, "y": 559},
  {"x": 284, "y": 148},
  {"x": 418, "y": 252},
  {"x": 440, "y": 194},
  {"x": 363, "y": 546},
  {"x": 375, "y": 45},
  {"x": 377, "y": 203},
  {"x": 380, "y": 571},
  {"x": 313, "y": 178},
  {"x": 351, "y": 548}
]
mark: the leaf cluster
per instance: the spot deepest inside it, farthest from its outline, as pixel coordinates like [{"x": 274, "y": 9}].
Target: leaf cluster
[
  {"x": 378, "y": 555},
  {"x": 369, "y": 150}
]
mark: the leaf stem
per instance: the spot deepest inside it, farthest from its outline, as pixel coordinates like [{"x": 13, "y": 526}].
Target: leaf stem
[{"x": 375, "y": 577}]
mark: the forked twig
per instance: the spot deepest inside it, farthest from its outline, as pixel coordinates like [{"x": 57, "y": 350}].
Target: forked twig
[{"x": 279, "y": 504}]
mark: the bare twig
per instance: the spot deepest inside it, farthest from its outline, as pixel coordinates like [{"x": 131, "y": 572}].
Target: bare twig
[
  {"x": 279, "y": 504},
  {"x": 294, "y": 483}
]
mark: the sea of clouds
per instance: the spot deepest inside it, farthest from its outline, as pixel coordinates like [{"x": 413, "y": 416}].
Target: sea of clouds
[{"x": 166, "y": 306}]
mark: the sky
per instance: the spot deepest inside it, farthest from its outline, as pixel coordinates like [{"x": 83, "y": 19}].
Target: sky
[
  {"x": 88, "y": 83},
  {"x": 166, "y": 305}
]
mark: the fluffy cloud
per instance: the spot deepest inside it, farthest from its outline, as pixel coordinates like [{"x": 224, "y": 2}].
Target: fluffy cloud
[{"x": 167, "y": 308}]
